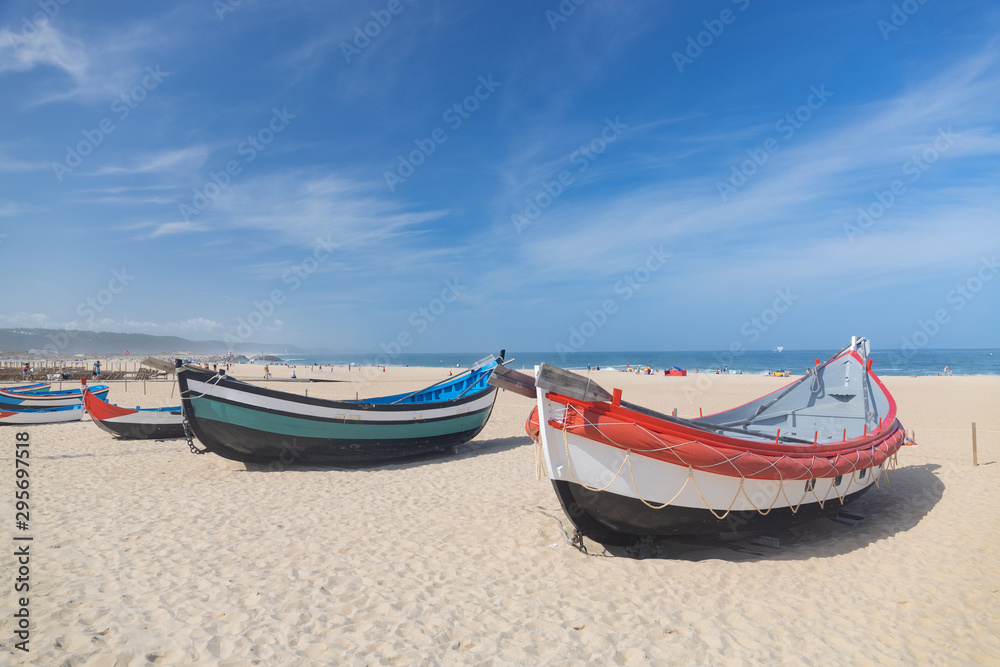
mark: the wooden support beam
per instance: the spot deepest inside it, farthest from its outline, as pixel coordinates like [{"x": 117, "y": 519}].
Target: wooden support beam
[{"x": 975, "y": 454}]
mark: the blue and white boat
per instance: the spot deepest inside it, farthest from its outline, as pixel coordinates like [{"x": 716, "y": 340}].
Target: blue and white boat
[
  {"x": 14, "y": 400},
  {"x": 66, "y": 413}
]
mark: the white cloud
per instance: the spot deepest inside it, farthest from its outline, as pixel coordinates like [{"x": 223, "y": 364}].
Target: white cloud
[
  {"x": 47, "y": 48},
  {"x": 798, "y": 202},
  {"x": 183, "y": 160},
  {"x": 298, "y": 207},
  {"x": 175, "y": 228},
  {"x": 97, "y": 68},
  {"x": 194, "y": 328},
  {"x": 27, "y": 320}
]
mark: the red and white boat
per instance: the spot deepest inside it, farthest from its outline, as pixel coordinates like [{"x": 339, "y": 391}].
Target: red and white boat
[
  {"x": 622, "y": 471},
  {"x": 137, "y": 424}
]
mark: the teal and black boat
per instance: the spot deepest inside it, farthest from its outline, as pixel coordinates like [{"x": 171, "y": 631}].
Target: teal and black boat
[{"x": 253, "y": 424}]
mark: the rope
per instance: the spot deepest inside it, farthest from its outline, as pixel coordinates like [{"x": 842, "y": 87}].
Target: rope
[
  {"x": 576, "y": 541},
  {"x": 635, "y": 486},
  {"x": 540, "y": 472},
  {"x": 190, "y": 392},
  {"x": 569, "y": 461}
]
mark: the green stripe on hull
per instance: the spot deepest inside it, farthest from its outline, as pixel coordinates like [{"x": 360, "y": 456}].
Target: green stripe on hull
[{"x": 309, "y": 428}]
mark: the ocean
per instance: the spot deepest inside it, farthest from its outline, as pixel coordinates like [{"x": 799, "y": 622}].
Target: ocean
[{"x": 892, "y": 362}]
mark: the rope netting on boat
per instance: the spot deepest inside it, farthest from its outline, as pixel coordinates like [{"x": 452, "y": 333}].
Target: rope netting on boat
[{"x": 855, "y": 464}]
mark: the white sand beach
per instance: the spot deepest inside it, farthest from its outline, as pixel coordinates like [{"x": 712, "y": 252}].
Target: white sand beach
[{"x": 143, "y": 553}]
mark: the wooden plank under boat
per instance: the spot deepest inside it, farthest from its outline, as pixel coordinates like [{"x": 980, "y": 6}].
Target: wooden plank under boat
[
  {"x": 622, "y": 471},
  {"x": 244, "y": 422}
]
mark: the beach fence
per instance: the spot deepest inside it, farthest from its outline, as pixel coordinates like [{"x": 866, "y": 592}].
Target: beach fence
[{"x": 13, "y": 371}]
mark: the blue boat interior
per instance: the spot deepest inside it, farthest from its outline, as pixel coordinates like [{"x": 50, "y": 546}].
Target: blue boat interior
[
  {"x": 61, "y": 408},
  {"x": 466, "y": 383},
  {"x": 175, "y": 409}
]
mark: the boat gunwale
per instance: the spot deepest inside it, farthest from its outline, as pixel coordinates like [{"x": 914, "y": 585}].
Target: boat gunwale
[{"x": 265, "y": 392}]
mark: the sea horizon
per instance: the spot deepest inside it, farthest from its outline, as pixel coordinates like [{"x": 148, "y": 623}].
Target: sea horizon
[
  {"x": 962, "y": 361},
  {"x": 906, "y": 362}
]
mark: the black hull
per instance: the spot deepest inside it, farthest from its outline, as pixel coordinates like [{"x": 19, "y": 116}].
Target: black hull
[
  {"x": 141, "y": 431},
  {"x": 265, "y": 447},
  {"x": 617, "y": 520}
]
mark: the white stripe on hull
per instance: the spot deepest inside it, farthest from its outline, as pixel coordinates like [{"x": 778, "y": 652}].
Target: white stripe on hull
[
  {"x": 54, "y": 417},
  {"x": 607, "y": 468},
  {"x": 413, "y": 412},
  {"x": 140, "y": 417}
]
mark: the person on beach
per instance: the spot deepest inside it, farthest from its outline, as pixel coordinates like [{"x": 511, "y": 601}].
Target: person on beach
[
  {"x": 267, "y": 372},
  {"x": 97, "y": 370}
]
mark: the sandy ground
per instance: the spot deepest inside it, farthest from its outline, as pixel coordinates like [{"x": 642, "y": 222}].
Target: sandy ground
[{"x": 144, "y": 553}]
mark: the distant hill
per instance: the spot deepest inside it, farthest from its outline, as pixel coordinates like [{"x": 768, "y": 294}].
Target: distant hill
[{"x": 62, "y": 341}]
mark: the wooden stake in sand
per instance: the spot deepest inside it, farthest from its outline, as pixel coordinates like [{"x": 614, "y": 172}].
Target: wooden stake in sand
[{"x": 975, "y": 456}]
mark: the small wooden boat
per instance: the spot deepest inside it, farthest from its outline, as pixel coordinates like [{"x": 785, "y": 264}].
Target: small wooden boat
[
  {"x": 137, "y": 424},
  {"x": 12, "y": 400},
  {"x": 67, "y": 413},
  {"x": 36, "y": 388},
  {"x": 622, "y": 471},
  {"x": 252, "y": 424}
]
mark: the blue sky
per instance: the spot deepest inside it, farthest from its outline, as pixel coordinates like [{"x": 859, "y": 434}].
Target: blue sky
[{"x": 454, "y": 176}]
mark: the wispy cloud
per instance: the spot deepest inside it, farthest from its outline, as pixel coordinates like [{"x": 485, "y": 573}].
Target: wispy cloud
[
  {"x": 95, "y": 68},
  {"x": 184, "y": 160},
  {"x": 11, "y": 209},
  {"x": 194, "y": 328},
  {"x": 14, "y": 165},
  {"x": 27, "y": 320},
  {"x": 808, "y": 190},
  {"x": 48, "y": 48},
  {"x": 175, "y": 228},
  {"x": 299, "y": 206}
]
